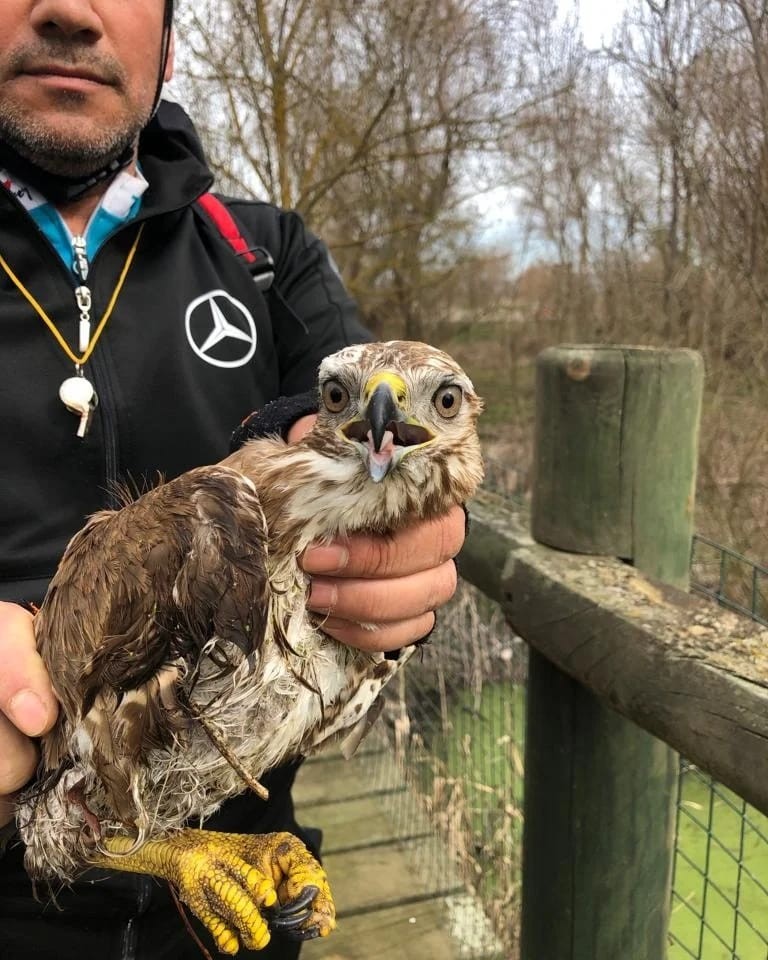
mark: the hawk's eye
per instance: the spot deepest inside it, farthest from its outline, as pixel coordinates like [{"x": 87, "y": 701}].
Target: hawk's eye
[
  {"x": 335, "y": 396},
  {"x": 447, "y": 400}
]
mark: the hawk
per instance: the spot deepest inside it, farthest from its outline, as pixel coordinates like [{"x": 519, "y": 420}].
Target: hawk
[{"x": 176, "y": 634}]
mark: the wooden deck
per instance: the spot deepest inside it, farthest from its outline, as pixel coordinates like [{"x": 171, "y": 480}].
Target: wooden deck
[{"x": 387, "y": 907}]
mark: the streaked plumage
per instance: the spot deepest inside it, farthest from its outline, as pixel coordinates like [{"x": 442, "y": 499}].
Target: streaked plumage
[{"x": 189, "y": 602}]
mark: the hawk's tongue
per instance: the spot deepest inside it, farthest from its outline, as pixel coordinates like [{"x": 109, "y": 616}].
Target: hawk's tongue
[{"x": 379, "y": 463}]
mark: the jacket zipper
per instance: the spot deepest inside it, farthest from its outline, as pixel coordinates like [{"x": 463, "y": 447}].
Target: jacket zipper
[
  {"x": 130, "y": 937},
  {"x": 106, "y": 410}
]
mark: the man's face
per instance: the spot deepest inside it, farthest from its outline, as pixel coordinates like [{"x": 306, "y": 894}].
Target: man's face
[{"x": 77, "y": 78}]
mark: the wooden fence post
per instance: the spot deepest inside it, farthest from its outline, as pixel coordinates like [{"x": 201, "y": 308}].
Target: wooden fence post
[{"x": 615, "y": 465}]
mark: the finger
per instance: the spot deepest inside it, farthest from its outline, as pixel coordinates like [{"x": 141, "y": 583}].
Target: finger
[
  {"x": 417, "y": 547},
  {"x": 301, "y": 427},
  {"x": 18, "y": 758},
  {"x": 383, "y": 601},
  {"x": 26, "y": 695},
  {"x": 384, "y": 637}
]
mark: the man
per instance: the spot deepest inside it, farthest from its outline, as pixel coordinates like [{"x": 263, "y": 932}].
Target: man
[{"x": 121, "y": 303}]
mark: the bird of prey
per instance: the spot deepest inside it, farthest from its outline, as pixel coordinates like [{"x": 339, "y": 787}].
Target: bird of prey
[{"x": 177, "y": 638}]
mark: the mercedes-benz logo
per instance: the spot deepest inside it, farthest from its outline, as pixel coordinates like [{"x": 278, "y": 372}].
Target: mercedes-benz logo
[{"x": 220, "y": 329}]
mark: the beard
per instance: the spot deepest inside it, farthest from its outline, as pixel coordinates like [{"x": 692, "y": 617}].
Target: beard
[
  {"x": 70, "y": 145},
  {"x": 61, "y": 153}
]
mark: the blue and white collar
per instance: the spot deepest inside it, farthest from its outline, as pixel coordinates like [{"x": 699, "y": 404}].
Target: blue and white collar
[{"x": 120, "y": 203}]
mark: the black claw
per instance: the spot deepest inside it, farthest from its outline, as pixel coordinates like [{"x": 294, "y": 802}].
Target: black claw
[
  {"x": 288, "y": 918},
  {"x": 303, "y": 900},
  {"x": 294, "y": 922}
]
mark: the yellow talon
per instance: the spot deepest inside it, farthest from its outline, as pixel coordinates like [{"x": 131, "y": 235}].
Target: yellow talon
[{"x": 227, "y": 879}]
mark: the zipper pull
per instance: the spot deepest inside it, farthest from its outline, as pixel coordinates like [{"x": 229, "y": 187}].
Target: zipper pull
[
  {"x": 82, "y": 293},
  {"x": 83, "y": 297},
  {"x": 80, "y": 262}
]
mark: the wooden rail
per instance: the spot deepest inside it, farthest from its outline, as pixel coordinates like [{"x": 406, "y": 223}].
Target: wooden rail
[{"x": 675, "y": 664}]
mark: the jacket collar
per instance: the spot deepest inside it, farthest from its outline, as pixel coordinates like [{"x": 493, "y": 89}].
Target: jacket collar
[{"x": 172, "y": 159}]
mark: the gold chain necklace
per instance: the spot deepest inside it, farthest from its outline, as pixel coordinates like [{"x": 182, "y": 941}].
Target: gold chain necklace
[{"x": 77, "y": 393}]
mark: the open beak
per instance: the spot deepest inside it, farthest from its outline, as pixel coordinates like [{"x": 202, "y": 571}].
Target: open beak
[
  {"x": 382, "y": 410},
  {"x": 385, "y": 429}
]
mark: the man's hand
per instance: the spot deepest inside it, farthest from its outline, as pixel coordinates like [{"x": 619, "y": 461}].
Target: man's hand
[
  {"x": 28, "y": 706},
  {"x": 393, "y": 582}
]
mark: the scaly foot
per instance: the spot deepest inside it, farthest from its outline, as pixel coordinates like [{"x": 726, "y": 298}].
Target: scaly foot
[{"x": 240, "y": 886}]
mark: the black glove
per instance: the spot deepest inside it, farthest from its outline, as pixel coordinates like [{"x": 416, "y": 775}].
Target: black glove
[{"x": 275, "y": 419}]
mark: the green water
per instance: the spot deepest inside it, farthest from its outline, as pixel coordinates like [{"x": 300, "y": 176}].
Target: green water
[
  {"x": 484, "y": 750},
  {"x": 727, "y": 933}
]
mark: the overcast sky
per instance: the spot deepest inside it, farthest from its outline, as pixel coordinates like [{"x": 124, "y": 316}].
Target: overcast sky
[
  {"x": 501, "y": 223},
  {"x": 598, "y": 18}
]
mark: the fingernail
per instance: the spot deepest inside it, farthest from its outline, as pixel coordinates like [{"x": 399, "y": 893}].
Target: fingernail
[
  {"x": 28, "y": 712},
  {"x": 322, "y": 596},
  {"x": 325, "y": 559}
]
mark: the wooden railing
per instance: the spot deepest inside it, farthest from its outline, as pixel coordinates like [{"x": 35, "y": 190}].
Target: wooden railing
[
  {"x": 626, "y": 667},
  {"x": 686, "y": 671}
]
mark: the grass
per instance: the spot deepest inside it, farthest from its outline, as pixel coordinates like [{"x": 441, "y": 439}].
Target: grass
[
  {"x": 471, "y": 769},
  {"x": 485, "y": 749}
]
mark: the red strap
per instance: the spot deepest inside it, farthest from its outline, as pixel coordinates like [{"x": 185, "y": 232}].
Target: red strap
[{"x": 225, "y": 224}]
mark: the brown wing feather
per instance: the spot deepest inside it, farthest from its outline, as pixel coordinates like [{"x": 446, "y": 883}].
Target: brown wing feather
[{"x": 137, "y": 597}]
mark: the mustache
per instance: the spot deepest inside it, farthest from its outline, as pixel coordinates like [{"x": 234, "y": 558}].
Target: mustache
[{"x": 73, "y": 54}]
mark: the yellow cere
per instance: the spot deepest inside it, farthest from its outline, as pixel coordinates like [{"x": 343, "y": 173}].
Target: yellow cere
[{"x": 396, "y": 384}]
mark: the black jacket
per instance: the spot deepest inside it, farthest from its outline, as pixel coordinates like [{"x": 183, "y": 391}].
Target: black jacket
[
  {"x": 168, "y": 401},
  {"x": 163, "y": 407}
]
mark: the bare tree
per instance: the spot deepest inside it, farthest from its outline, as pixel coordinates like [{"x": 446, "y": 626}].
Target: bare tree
[
  {"x": 652, "y": 199},
  {"x": 357, "y": 113}
]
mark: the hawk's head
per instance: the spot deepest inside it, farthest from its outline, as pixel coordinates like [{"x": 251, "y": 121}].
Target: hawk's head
[{"x": 404, "y": 413}]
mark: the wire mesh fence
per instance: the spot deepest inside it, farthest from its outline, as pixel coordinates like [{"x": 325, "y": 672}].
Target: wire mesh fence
[
  {"x": 720, "y": 885},
  {"x": 456, "y": 728},
  {"x": 455, "y": 724},
  {"x": 730, "y": 579}
]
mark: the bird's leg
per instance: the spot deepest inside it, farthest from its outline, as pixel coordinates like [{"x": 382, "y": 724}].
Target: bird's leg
[
  {"x": 76, "y": 796},
  {"x": 239, "y": 886}
]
